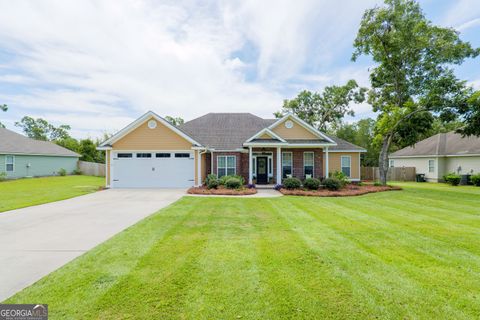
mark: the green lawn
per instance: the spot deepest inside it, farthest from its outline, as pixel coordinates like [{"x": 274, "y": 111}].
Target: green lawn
[
  {"x": 21, "y": 193},
  {"x": 412, "y": 254}
]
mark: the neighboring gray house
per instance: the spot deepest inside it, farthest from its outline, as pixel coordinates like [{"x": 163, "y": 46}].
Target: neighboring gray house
[
  {"x": 24, "y": 157},
  {"x": 441, "y": 154}
]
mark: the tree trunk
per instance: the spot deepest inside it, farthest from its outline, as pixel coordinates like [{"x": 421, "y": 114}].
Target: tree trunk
[{"x": 383, "y": 159}]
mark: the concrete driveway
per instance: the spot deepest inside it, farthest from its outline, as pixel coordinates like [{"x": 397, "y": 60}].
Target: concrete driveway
[{"x": 37, "y": 240}]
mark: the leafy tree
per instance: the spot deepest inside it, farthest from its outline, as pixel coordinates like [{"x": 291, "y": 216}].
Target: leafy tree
[
  {"x": 40, "y": 129},
  {"x": 175, "y": 121},
  {"x": 4, "y": 108},
  {"x": 413, "y": 80},
  {"x": 471, "y": 115},
  {"x": 325, "y": 109},
  {"x": 361, "y": 133}
]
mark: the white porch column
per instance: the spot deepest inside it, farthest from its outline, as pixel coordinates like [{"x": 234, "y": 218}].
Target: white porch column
[
  {"x": 326, "y": 162},
  {"x": 279, "y": 165},
  {"x": 199, "y": 168},
  {"x": 250, "y": 169}
]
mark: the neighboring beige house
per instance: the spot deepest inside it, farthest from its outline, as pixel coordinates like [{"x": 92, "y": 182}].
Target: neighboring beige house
[
  {"x": 440, "y": 154},
  {"x": 152, "y": 153}
]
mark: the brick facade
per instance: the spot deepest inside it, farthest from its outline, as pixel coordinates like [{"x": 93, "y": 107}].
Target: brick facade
[
  {"x": 242, "y": 161},
  {"x": 298, "y": 170}
]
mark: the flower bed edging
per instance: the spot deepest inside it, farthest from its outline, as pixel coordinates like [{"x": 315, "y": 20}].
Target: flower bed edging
[
  {"x": 222, "y": 191},
  {"x": 348, "y": 191}
]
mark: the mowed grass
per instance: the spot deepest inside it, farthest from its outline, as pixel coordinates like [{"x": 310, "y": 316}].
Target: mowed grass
[
  {"x": 22, "y": 193},
  {"x": 412, "y": 254}
]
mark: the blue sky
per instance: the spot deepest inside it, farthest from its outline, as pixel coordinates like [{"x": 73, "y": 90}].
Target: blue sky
[{"x": 97, "y": 65}]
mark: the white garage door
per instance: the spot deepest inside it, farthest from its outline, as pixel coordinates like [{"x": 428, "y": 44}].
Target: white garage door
[{"x": 152, "y": 169}]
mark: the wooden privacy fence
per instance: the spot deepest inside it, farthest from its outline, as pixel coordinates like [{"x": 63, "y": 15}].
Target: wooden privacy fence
[
  {"x": 394, "y": 174},
  {"x": 91, "y": 168}
]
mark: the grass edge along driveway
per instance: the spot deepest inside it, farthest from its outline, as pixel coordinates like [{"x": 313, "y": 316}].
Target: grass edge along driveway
[
  {"x": 407, "y": 254},
  {"x": 21, "y": 193}
]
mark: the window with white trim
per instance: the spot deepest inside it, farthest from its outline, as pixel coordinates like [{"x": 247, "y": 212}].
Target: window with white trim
[
  {"x": 287, "y": 162},
  {"x": 270, "y": 166},
  {"x": 431, "y": 165},
  {"x": 9, "y": 163},
  {"x": 254, "y": 166},
  {"x": 346, "y": 162},
  {"x": 308, "y": 163},
  {"x": 392, "y": 164},
  {"x": 226, "y": 166}
]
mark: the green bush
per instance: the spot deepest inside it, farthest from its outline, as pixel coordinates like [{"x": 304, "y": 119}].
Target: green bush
[
  {"x": 311, "y": 184},
  {"x": 212, "y": 181},
  {"x": 223, "y": 180},
  {"x": 292, "y": 183},
  {"x": 377, "y": 184},
  {"x": 3, "y": 176},
  {"x": 340, "y": 176},
  {"x": 210, "y": 177},
  {"x": 77, "y": 172},
  {"x": 233, "y": 183},
  {"x": 452, "y": 179},
  {"x": 333, "y": 184},
  {"x": 475, "y": 179},
  {"x": 62, "y": 172}
]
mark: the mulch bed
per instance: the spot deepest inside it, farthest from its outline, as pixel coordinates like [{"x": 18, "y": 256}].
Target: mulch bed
[
  {"x": 222, "y": 191},
  {"x": 348, "y": 191}
]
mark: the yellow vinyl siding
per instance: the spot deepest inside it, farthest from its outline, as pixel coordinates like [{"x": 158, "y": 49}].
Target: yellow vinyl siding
[
  {"x": 160, "y": 138},
  {"x": 204, "y": 167},
  {"x": 265, "y": 136},
  {"x": 297, "y": 132},
  {"x": 334, "y": 163}
]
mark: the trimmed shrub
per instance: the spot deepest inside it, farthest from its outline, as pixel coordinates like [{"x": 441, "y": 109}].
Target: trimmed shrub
[
  {"x": 340, "y": 176},
  {"x": 233, "y": 183},
  {"x": 452, "y": 179},
  {"x": 211, "y": 181},
  {"x": 475, "y": 179},
  {"x": 77, "y": 172},
  {"x": 62, "y": 172},
  {"x": 292, "y": 183},
  {"x": 3, "y": 176},
  {"x": 311, "y": 184},
  {"x": 333, "y": 184},
  {"x": 210, "y": 177},
  {"x": 223, "y": 180},
  {"x": 377, "y": 184}
]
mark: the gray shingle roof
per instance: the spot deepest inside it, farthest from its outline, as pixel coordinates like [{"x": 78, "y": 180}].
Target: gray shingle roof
[
  {"x": 14, "y": 143},
  {"x": 228, "y": 131},
  {"x": 442, "y": 144},
  {"x": 224, "y": 131},
  {"x": 343, "y": 145}
]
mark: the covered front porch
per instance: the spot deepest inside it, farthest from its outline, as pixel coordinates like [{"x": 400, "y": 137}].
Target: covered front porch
[{"x": 269, "y": 165}]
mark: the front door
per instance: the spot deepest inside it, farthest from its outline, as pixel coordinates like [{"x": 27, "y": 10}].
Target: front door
[{"x": 262, "y": 172}]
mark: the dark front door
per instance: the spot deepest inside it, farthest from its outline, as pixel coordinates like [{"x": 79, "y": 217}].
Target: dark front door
[{"x": 262, "y": 172}]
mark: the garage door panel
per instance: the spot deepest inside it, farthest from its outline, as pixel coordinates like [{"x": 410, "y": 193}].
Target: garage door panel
[{"x": 153, "y": 172}]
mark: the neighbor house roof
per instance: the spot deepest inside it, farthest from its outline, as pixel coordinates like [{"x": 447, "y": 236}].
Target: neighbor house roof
[
  {"x": 14, "y": 143},
  {"x": 442, "y": 144},
  {"x": 229, "y": 131}
]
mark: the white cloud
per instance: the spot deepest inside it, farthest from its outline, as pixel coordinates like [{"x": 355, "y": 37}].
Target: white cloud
[{"x": 97, "y": 65}]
